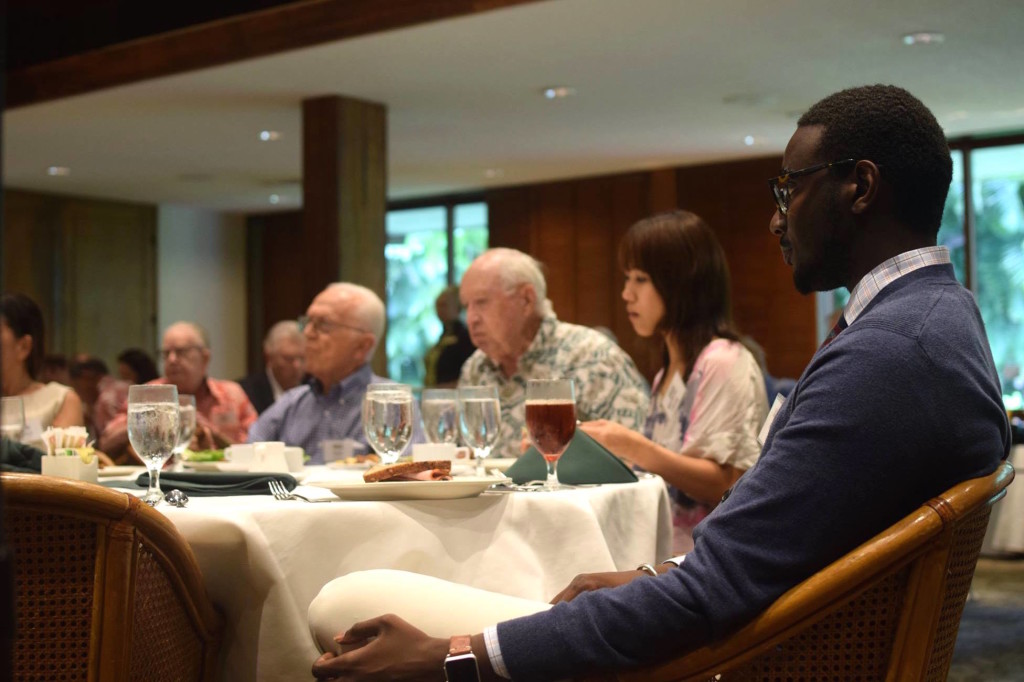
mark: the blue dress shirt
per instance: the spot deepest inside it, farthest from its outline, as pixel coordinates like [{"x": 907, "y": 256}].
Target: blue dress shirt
[{"x": 305, "y": 416}]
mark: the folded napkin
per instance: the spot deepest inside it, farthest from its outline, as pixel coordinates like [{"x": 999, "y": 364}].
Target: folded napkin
[
  {"x": 218, "y": 483},
  {"x": 584, "y": 461}
]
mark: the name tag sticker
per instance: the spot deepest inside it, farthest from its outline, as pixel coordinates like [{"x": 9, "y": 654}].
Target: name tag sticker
[{"x": 772, "y": 413}]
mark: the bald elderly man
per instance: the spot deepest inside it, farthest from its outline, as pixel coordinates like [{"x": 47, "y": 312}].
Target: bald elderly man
[
  {"x": 223, "y": 411},
  {"x": 342, "y": 327},
  {"x": 518, "y": 338},
  {"x": 284, "y": 350}
]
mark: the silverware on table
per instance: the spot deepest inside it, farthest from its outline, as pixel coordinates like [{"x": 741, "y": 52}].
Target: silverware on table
[{"x": 280, "y": 492}]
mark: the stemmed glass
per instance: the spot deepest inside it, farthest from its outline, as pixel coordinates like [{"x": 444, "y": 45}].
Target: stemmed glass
[
  {"x": 480, "y": 421},
  {"x": 153, "y": 430},
  {"x": 186, "y": 423},
  {"x": 387, "y": 419},
  {"x": 551, "y": 421},
  {"x": 12, "y": 417},
  {"x": 440, "y": 413}
]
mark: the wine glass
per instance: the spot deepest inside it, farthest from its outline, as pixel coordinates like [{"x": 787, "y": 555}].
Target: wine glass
[
  {"x": 551, "y": 421},
  {"x": 480, "y": 421},
  {"x": 387, "y": 419},
  {"x": 153, "y": 430},
  {"x": 440, "y": 413},
  {"x": 186, "y": 423},
  {"x": 12, "y": 417}
]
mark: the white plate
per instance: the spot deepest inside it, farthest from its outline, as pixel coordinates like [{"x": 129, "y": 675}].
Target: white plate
[
  {"x": 350, "y": 466},
  {"x": 502, "y": 464},
  {"x": 120, "y": 470},
  {"x": 408, "y": 490}
]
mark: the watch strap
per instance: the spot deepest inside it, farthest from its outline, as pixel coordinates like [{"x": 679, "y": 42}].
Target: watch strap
[{"x": 459, "y": 645}]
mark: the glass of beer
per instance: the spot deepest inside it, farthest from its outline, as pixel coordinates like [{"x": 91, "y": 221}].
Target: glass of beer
[{"x": 551, "y": 421}]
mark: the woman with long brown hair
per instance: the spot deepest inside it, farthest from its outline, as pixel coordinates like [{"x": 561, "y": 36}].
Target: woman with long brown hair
[{"x": 708, "y": 402}]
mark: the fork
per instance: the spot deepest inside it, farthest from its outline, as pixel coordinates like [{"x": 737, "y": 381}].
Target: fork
[{"x": 279, "y": 492}]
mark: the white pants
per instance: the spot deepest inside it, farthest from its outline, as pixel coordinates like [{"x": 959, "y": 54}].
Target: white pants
[{"x": 438, "y": 607}]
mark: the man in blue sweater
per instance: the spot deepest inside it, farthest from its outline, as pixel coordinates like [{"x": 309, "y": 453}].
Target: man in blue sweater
[{"x": 901, "y": 403}]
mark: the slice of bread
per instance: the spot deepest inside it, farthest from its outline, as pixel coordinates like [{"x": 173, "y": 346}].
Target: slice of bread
[{"x": 408, "y": 471}]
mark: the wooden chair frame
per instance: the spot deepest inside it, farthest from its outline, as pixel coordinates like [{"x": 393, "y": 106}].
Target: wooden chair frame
[
  {"x": 135, "y": 584},
  {"x": 926, "y": 561}
]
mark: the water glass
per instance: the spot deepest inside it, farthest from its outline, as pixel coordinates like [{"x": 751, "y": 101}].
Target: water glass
[
  {"x": 480, "y": 421},
  {"x": 387, "y": 419},
  {"x": 551, "y": 421},
  {"x": 12, "y": 417},
  {"x": 440, "y": 411},
  {"x": 153, "y": 430},
  {"x": 186, "y": 422}
]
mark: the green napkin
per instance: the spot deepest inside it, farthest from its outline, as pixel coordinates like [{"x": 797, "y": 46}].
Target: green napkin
[
  {"x": 584, "y": 461},
  {"x": 217, "y": 483}
]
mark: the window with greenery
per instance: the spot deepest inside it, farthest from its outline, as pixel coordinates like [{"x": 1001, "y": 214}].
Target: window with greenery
[
  {"x": 428, "y": 248},
  {"x": 997, "y": 193},
  {"x": 987, "y": 251}
]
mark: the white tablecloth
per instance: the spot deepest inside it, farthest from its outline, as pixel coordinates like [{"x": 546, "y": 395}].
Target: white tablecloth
[
  {"x": 1006, "y": 525},
  {"x": 264, "y": 560}
]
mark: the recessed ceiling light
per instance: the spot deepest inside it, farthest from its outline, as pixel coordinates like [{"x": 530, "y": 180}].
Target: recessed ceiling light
[
  {"x": 275, "y": 199},
  {"x": 558, "y": 92},
  {"x": 749, "y": 140},
  {"x": 492, "y": 173},
  {"x": 270, "y": 135},
  {"x": 923, "y": 38},
  {"x": 58, "y": 170}
]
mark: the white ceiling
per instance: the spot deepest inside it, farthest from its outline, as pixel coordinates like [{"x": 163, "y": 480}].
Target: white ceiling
[{"x": 659, "y": 83}]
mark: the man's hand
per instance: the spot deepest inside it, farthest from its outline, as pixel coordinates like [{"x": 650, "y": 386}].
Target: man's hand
[
  {"x": 202, "y": 439},
  {"x": 384, "y": 648},
  {"x": 585, "y": 582}
]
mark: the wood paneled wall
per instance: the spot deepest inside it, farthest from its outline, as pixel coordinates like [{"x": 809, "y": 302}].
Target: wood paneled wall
[
  {"x": 276, "y": 286},
  {"x": 574, "y": 227},
  {"x": 91, "y": 267}
]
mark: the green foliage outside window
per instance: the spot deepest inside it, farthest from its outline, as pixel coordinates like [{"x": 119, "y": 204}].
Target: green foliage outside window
[{"x": 417, "y": 271}]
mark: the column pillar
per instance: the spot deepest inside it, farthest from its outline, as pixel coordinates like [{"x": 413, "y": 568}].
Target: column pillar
[{"x": 344, "y": 194}]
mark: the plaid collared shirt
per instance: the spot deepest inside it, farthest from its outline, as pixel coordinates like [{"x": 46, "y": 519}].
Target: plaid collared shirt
[{"x": 888, "y": 272}]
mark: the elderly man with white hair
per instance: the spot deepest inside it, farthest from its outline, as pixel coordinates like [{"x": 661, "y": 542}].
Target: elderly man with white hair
[
  {"x": 342, "y": 327},
  {"x": 284, "y": 351},
  {"x": 223, "y": 411},
  {"x": 518, "y": 337}
]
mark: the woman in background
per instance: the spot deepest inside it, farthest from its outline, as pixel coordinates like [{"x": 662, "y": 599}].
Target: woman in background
[
  {"x": 136, "y": 367},
  {"x": 708, "y": 400},
  {"x": 22, "y": 346}
]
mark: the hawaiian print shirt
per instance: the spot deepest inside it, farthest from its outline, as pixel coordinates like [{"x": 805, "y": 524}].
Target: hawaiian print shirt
[{"x": 608, "y": 385}]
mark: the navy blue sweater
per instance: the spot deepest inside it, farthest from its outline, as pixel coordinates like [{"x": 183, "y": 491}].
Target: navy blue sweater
[{"x": 901, "y": 406}]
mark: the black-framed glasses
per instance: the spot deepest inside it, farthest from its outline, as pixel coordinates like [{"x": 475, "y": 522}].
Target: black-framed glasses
[
  {"x": 781, "y": 187},
  {"x": 322, "y": 326}
]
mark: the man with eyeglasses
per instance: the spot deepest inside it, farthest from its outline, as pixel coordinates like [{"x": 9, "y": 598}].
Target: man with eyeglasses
[
  {"x": 342, "y": 327},
  {"x": 901, "y": 404},
  {"x": 223, "y": 411},
  {"x": 284, "y": 350}
]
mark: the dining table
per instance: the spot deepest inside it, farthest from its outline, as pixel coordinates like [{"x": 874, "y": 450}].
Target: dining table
[{"x": 263, "y": 560}]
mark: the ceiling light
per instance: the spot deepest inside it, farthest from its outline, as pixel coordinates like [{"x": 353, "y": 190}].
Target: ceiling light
[
  {"x": 275, "y": 199},
  {"x": 270, "y": 135},
  {"x": 923, "y": 38},
  {"x": 58, "y": 170},
  {"x": 492, "y": 173},
  {"x": 558, "y": 92},
  {"x": 749, "y": 140}
]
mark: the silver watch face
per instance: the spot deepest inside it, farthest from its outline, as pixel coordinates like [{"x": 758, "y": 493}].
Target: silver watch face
[{"x": 461, "y": 668}]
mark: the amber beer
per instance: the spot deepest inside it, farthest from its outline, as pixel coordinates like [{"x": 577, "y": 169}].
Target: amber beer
[{"x": 552, "y": 424}]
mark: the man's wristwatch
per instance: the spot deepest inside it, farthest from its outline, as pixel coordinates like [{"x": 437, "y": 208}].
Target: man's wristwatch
[{"x": 460, "y": 663}]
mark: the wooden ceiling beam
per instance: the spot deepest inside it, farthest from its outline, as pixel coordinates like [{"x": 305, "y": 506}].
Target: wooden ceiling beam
[{"x": 257, "y": 34}]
